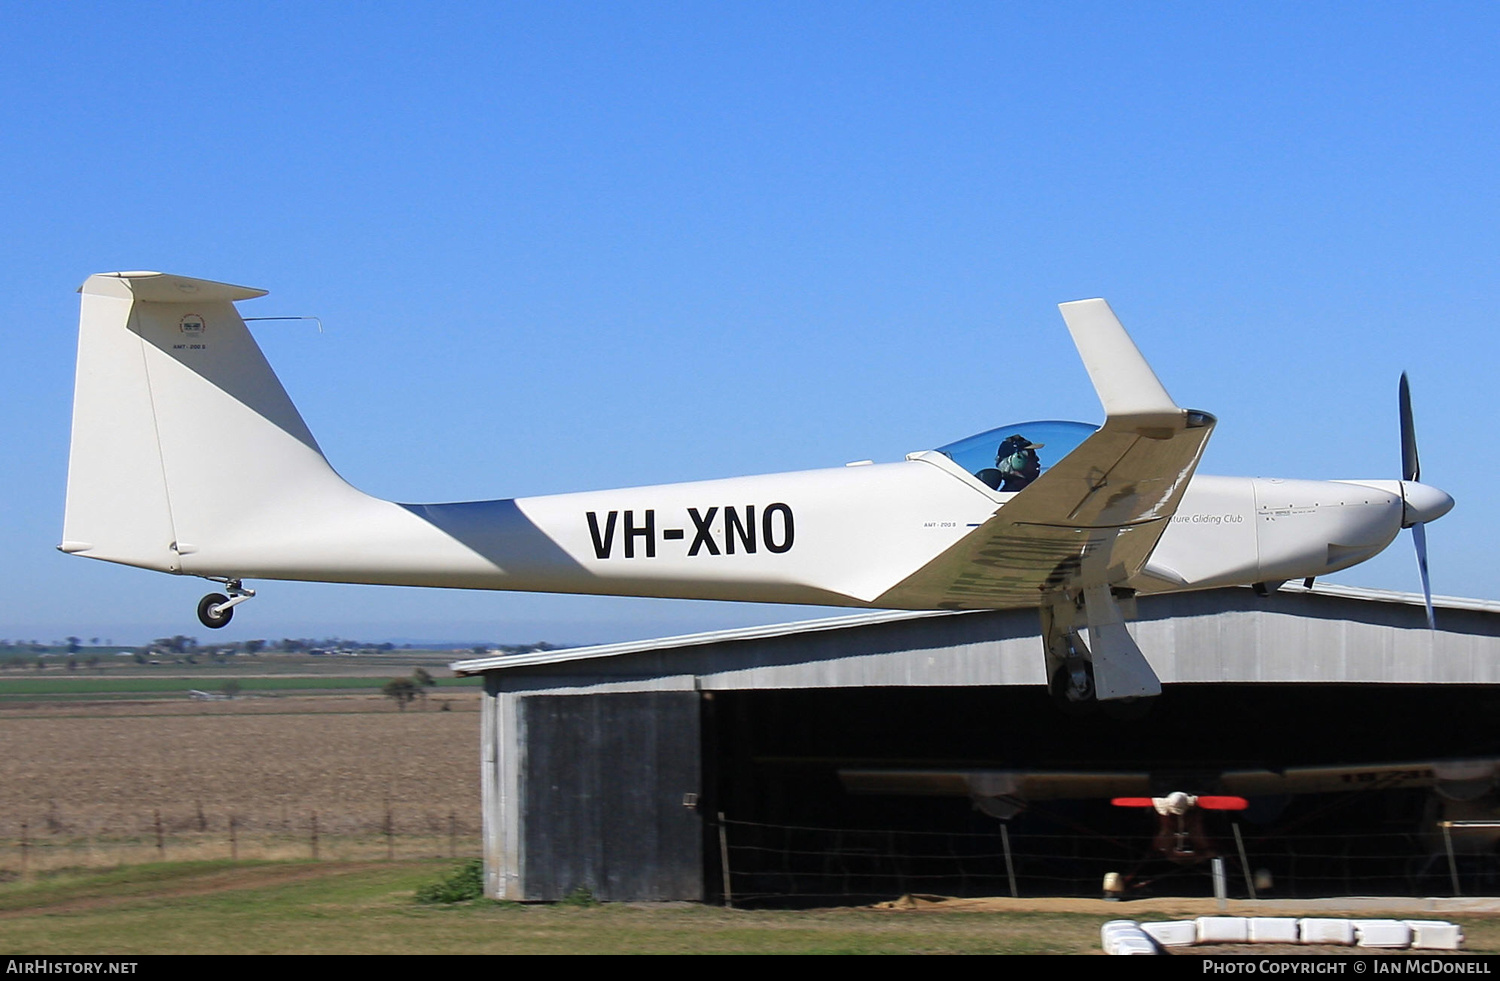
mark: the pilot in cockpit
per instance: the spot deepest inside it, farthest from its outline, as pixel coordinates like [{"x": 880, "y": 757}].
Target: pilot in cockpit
[{"x": 1016, "y": 464}]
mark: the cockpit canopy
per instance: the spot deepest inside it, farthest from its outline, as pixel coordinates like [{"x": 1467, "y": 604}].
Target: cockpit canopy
[{"x": 1048, "y": 440}]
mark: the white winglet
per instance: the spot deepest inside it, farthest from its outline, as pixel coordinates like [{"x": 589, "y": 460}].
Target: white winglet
[{"x": 1132, "y": 395}]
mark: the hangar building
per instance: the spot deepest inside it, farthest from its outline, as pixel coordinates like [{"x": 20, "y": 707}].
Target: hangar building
[{"x": 656, "y": 770}]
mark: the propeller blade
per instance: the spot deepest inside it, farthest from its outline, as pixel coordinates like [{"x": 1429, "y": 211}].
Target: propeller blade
[
  {"x": 1419, "y": 538},
  {"x": 1411, "y": 468}
]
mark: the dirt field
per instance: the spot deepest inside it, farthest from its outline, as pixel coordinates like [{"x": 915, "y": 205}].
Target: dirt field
[{"x": 95, "y": 776}]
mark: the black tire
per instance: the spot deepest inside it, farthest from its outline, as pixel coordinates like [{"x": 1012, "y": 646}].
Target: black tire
[
  {"x": 1060, "y": 680},
  {"x": 206, "y": 615}
]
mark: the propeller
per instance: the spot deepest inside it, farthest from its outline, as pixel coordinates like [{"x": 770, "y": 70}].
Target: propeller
[
  {"x": 1422, "y": 503},
  {"x": 1411, "y": 467}
]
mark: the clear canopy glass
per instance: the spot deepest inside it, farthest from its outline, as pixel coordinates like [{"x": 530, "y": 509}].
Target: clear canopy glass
[{"x": 1050, "y": 440}]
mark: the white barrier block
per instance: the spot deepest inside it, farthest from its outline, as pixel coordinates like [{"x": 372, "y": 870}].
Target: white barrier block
[
  {"x": 1382, "y": 933},
  {"x": 1321, "y": 930},
  {"x": 1274, "y": 930},
  {"x": 1172, "y": 933},
  {"x": 1125, "y": 937},
  {"x": 1435, "y": 935},
  {"x": 1223, "y": 930}
]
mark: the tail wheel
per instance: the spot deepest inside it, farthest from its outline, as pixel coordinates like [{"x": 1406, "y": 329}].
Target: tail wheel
[{"x": 211, "y": 617}]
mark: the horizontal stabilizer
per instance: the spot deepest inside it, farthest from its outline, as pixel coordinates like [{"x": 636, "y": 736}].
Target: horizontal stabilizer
[{"x": 155, "y": 287}]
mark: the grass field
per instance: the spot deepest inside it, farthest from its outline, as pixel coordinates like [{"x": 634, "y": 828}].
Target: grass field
[{"x": 367, "y": 908}]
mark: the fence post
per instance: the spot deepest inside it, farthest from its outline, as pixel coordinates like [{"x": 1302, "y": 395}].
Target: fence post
[
  {"x": 390, "y": 842},
  {"x": 452, "y": 835},
  {"x": 1452, "y": 862},
  {"x": 723, "y": 860},
  {"x": 25, "y": 847},
  {"x": 234, "y": 841},
  {"x": 1244, "y": 861},
  {"x": 1010, "y": 866},
  {"x": 315, "y": 835},
  {"x": 161, "y": 841}
]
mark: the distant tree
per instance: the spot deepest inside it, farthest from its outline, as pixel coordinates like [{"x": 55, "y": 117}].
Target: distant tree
[
  {"x": 422, "y": 681},
  {"x": 230, "y": 688},
  {"x": 75, "y": 644},
  {"x": 72, "y": 664},
  {"x": 401, "y": 691},
  {"x": 254, "y": 646}
]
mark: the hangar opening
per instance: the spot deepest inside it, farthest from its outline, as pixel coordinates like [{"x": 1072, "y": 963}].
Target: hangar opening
[{"x": 875, "y": 755}]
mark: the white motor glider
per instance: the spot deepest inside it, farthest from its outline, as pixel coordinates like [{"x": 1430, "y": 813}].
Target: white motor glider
[{"x": 188, "y": 457}]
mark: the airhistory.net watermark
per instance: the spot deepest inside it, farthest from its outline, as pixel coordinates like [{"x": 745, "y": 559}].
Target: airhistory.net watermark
[{"x": 58, "y": 965}]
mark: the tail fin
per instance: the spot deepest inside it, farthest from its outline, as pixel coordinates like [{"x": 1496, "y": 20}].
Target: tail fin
[{"x": 182, "y": 434}]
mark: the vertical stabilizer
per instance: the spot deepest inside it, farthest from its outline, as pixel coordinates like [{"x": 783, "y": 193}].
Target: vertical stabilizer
[{"x": 183, "y": 437}]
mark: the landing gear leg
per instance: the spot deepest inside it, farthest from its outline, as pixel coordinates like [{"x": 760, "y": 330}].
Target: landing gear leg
[
  {"x": 1109, "y": 671},
  {"x": 216, "y": 610},
  {"x": 1070, "y": 673}
]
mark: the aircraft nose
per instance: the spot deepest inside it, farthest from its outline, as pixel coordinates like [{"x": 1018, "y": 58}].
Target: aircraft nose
[{"x": 1423, "y": 503}]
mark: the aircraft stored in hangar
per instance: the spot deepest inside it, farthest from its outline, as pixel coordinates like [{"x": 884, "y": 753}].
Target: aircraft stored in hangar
[{"x": 188, "y": 457}]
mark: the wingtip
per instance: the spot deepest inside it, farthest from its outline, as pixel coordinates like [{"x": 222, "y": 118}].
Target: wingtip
[{"x": 1124, "y": 381}]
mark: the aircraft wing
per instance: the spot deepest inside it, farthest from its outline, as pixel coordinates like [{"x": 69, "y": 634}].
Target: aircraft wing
[
  {"x": 1093, "y": 518},
  {"x": 1021, "y": 785},
  {"x": 1455, "y": 779}
]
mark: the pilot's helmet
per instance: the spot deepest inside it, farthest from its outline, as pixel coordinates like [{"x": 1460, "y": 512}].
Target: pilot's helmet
[{"x": 1012, "y": 445}]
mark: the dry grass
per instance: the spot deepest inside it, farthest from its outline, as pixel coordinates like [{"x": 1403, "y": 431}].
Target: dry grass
[{"x": 321, "y": 908}]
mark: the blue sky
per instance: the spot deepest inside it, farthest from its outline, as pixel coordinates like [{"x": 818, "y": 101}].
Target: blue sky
[{"x": 567, "y": 246}]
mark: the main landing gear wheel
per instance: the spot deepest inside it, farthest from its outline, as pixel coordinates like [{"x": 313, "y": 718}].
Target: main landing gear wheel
[
  {"x": 211, "y": 612},
  {"x": 1073, "y": 688}
]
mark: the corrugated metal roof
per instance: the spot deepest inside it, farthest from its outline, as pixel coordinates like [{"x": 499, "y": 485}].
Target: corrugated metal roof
[
  {"x": 506, "y": 661},
  {"x": 1393, "y": 596},
  {"x": 499, "y": 661}
]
